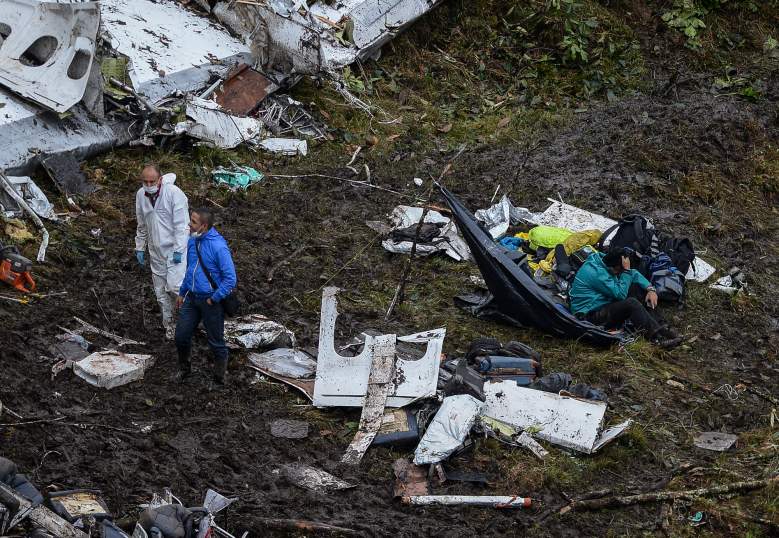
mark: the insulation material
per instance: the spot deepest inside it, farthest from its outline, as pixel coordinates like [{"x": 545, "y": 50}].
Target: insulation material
[
  {"x": 255, "y": 331},
  {"x": 181, "y": 51},
  {"x": 312, "y": 478},
  {"x": 449, "y": 428},
  {"x": 285, "y": 362}
]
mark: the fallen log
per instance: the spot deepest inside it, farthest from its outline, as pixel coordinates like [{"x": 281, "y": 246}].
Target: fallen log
[{"x": 662, "y": 496}]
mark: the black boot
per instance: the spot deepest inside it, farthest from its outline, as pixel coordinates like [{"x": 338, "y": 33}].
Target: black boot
[
  {"x": 185, "y": 367},
  {"x": 220, "y": 371},
  {"x": 666, "y": 338}
]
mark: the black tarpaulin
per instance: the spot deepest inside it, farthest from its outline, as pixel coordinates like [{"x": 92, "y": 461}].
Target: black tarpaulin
[{"x": 515, "y": 292}]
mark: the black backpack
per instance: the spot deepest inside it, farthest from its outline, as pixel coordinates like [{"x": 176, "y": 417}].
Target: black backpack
[
  {"x": 681, "y": 252},
  {"x": 632, "y": 231}
]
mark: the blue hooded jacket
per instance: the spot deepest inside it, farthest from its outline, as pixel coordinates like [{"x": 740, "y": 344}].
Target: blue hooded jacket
[
  {"x": 595, "y": 286},
  {"x": 219, "y": 262}
]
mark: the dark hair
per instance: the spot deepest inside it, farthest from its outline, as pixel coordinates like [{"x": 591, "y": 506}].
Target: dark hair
[
  {"x": 206, "y": 215},
  {"x": 614, "y": 258},
  {"x": 153, "y": 166}
]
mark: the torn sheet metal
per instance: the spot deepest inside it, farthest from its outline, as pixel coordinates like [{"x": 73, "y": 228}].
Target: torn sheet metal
[
  {"x": 449, "y": 428},
  {"x": 561, "y": 420},
  {"x": 170, "y": 47},
  {"x": 379, "y": 380},
  {"x": 255, "y": 331},
  {"x": 578, "y": 220},
  {"x": 312, "y": 478},
  {"x": 215, "y": 502},
  {"x": 32, "y": 194},
  {"x": 284, "y": 146},
  {"x": 285, "y": 362},
  {"x": 343, "y": 381},
  {"x": 243, "y": 91},
  {"x": 28, "y": 132},
  {"x": 314, "y": 37},
  {"x": 448, "y": 241},
  {"x": 48, "y": 55},
  {"x": 217, "y": 127},
  {"x": 110, "y": 369}
]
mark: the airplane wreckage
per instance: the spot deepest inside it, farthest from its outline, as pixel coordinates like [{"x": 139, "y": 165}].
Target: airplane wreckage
[{"x": 78, "y": 78}]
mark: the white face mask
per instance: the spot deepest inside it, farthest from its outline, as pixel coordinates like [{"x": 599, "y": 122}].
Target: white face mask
[
  {"x": 151, "y": 190},
  {"x": 195, "y": 235}
]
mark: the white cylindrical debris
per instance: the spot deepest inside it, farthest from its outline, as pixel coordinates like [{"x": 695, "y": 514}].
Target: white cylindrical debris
[{"x": 493, "y": 501}]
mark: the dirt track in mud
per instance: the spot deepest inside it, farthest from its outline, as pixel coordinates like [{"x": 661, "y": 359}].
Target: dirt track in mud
[{"x": 614, "y": 158}]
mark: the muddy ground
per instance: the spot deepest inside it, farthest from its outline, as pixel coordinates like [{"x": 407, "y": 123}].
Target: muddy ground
[{"x": 701, "y": 165}]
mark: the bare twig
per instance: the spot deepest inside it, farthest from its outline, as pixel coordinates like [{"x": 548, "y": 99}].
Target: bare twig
[
  {"x": 351, "y": 181},
  {"x": 397, "y": 299},
  {"x": 662, "y": 496}
]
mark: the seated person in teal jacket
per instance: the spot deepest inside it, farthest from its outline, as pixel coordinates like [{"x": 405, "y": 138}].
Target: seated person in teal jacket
[{"x": 607, "y": 292}]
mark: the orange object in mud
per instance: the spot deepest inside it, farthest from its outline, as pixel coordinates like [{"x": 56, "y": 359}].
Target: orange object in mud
[{"x": 15, "y": 269}]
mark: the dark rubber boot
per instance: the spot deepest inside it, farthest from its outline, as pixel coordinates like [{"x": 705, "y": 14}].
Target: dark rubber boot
[{"x": 185, "y": 366}]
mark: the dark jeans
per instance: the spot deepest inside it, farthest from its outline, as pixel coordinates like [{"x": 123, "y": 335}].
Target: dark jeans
[
  {"x": 614, "y": 315},
  {"x": 193, "y": 311}
]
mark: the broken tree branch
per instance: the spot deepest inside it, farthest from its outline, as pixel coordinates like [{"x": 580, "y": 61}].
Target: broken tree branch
[
  {"x": 661, "y": 496},
  {"x": 23, "y": 204},
  {"x": 309, "y": 526}
]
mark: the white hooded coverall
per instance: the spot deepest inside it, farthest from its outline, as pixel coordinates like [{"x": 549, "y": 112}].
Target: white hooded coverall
[{"x": 164, "y": 229}]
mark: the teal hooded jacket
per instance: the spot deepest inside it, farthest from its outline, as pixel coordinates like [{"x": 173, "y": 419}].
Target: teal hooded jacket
[{"x": 595, "y": 286}]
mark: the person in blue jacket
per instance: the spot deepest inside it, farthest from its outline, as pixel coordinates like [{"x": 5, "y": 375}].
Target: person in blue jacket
[
  {"x": 606, "y": 292},
  {"x": 198, "y": 300}
]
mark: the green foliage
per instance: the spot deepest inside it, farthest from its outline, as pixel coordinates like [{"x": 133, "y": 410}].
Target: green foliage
[{"x": 687, "y": 16}]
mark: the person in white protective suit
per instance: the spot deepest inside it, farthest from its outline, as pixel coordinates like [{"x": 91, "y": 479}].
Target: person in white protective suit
[{"x": 163, "y": 227}]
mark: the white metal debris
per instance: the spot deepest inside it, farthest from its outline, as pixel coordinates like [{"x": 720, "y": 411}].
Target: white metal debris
[
  {"x": 109, "y": 369},
  {"x": 48, "y": 50},
  {"x": 448, "y": 430},
  {"x": 575, "y": 219},
  {"x": 255, "y": 331},
  {"x": 448, "y": 241},
  {"x": 284, "y": 146},
  {"x": 28, "y": 132},
  {"x": 492, "y": 501},
  {"x": 33, "y": 195},
  {"x": 215, "y": 502},
  {"x": 716, "y": 441},
  {"x": 181, "y": 50},
  {"x": 213, "y": 125},
  {"x": 343, "y": 381},
  {"x": 309, "y": 38},
  {"x": 561, "y": 420}
]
